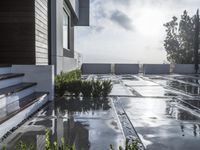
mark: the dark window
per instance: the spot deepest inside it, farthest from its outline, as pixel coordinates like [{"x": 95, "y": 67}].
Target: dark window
[{"x": 65, "y": 30}]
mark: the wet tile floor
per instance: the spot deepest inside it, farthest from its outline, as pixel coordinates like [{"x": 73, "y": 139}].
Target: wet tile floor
[
  {"x": 85, "y": 124},
  {"x": 162, "y": 111},
  {"x": 162, "y": 124},
  {"x": 166, "y": 117}
]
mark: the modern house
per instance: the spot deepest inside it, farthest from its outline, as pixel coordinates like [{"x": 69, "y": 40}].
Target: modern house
[
  {"x": 69, "y": 13},
  {"x": 41, "y": 32},
  {"x": 36, "y": 42}
]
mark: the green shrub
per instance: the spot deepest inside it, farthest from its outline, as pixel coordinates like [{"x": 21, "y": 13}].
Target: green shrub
[
  {"x": 47, "y": 140},
  {"x": 60, "y": 87},
  {"x": 21, "y": 146},
  {"x": 96, "y": 89},
  {"x": 106, "y": 88},
  {"x": 73, "y": 87},
  {"x": 101, "y": 88},
  {"x": 133, "y": 145},
  {"x": 74, "y": 75},
  {"x": 54, "y": 146},
  {"x": 86, "y": 88},
  {"x": 71, "y": 83},
  {"x": 61, "y": 81}
]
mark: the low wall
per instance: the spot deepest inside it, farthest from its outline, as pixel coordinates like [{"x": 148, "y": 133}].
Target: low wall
[
  {"x": 96, "y": 68},
  {"x": 156, "y": 68},
  {"x": 65, "y": 64},
  {"x": 42, "y": 75},
  {"x": 126, "y": 68},
  {"x": 90, "y": 68},
  {"x": 184, "y": 69},
  {"x": 69, "y": 64}
]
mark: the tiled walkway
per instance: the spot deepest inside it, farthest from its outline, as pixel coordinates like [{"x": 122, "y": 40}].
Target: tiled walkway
[
  {"x": 165, "y": 116},
  {"x": 163, "y": 111}
]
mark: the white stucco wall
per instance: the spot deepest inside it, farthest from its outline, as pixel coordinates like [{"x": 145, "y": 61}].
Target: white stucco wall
[{"x": 42, "y": 75}]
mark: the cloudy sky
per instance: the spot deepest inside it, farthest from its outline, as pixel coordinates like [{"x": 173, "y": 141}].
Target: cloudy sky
[{"x": 128, "y": 31}]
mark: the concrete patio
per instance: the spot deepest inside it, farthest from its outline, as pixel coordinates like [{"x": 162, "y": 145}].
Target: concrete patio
[{"x": 162, "y": 111}]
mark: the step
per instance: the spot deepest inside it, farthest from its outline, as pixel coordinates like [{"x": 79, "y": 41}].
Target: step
[
  {"x": 4, "y": 69},
  {"x": 13, "y": 93},
  {"x": 10, "y": 75},
  {"x": 26, "y": 107},
  {"x": 10, "y": 79},
  {"x": 15, "y": 88}
]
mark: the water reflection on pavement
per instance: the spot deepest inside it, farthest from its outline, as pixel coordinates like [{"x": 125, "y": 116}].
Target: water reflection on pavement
[
  {"x": 87, "y": 124},
  {"x": 163, "y": 110},
  {"x": 165, "y": 121}
]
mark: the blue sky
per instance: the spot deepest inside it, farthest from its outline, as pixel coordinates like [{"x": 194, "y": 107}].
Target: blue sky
[{"x": 128, "y": 31}]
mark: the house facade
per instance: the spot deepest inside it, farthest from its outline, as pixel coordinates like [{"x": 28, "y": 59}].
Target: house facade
[
  {"x": 41, "y": 32},
  {"x": 36, "y": 42}
]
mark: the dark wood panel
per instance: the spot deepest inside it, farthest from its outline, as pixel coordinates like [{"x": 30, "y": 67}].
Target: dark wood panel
[
  {"x": 17, "y": 32},
  {"x": 19, "y": 14},
  {"x": 21, "y": 28},
  {"x": 17, "y": 5},
  {"x": 17, "y": 53},
  {"x": 14, "y": 60}
]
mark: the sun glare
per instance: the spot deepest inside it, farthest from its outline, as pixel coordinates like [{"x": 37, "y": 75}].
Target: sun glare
[{"x": 149, "y": 22}]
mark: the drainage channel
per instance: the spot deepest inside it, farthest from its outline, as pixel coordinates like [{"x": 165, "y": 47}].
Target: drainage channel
[{"x": 127, "y": 127}]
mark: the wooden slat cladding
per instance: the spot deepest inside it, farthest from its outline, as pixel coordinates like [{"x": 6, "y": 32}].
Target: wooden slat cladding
[
  {"x": 41, "y": 32},
  {"x": 17, "y": 32}
]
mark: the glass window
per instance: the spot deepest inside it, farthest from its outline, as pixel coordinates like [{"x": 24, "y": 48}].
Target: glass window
[{"x": 65, "y": 30}]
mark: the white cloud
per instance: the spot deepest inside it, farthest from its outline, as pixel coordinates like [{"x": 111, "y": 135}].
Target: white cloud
[
  {"x": 141, "y": 41},
  {"x": 122, "y": 20}
]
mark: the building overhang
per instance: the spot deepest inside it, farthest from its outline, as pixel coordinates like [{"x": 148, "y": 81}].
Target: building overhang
[{"x": 80, "y": 10}]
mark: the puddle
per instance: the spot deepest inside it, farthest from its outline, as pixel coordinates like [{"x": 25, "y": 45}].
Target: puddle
[
  {"x": 86, "y": 124},
  {"x": 184, "y": 87},
  {"x": 128, "y": 77},
  {"x": 187, "y": 88},
  {"x": 154, "y": 91},
  {"x": 188, "y": 79},
  {"x": 195, "y": 103},
  {"x": 155, "y": 77},
  {"x": 120, "y": 90},
  {"x": 163, "y": 123},
  {"x": 195, "y": 75},
  {"x": 139, "y": 83}
]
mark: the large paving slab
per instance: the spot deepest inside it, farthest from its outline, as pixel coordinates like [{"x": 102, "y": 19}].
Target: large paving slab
[
  {"x": 120, "y": 90},
  {"x": 154, "y": 91},
  {"x": 139, "y": 83},
  {"x": 184, "y": 84},
  {"x": 163, "y": 124}
]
